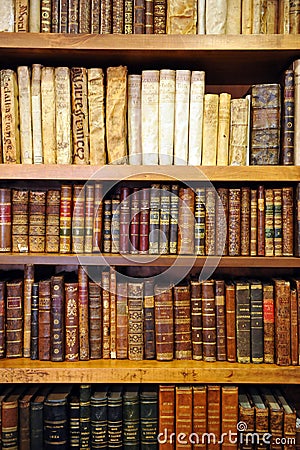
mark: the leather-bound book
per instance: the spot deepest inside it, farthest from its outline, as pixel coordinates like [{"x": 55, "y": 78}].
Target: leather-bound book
[
  {"x": 115, "y": 223},
  {"x": 107, "y": 225},
  {"x": 56, "y": 417},
  {"x": 80, "y": 131},
  {"x": 261, "y": 221},
  {"x": 164, "y": 219},
  {"x": 36, "y": 418},
  {"x": 95, "y": 17},
  {"x": 52, "y": 220},
  {"x": 138, "y": 16},
  {"x": 44, "y": 320},
  {"x": 200, "y": 221},
  {"x": 282, "y": 322},
  {"x": 214, "y": 413},
  {"x": 288, "y": 119},
  {"x": 210, "y": 221},
  {"x": 174, "y": 210},
  {"x": 243, "y": 321},
  {"x": 122, "y": 321},
  {"x": 25, "y": 114},
  {"x": 78, "y": 218},
  {"x": 71, "y": 322},
  {"x": 149, "y": 417},
  {"x": 289, "y": 416},
  {"x": 144, "y": 221},
  {"x": 135, "y": 221},
  {"x": 65, "y": 215},
  {"x": 128, "y": 17},
  {"x": 22, "y": 14},
  {"x": 265, "y": 124},
  {"x": 154, "y": 219},
  {"x": 37, "y": 221},
  {"x": 182, "y": 322},
  {"x": 95, "y": 320},
  {"x": 268, "y": 321},
  {"x": 48, "y": 115},
  {"x": 222, "y": 221},
  {"x": 96, "y": 110},
  {"x": 131, "y": 417},
  {"x": 57, "y": 318},
  {"x": 253, "y": 222},
  {"x": 135, "y": 321},
  {"x": 118, "y": 17},
  {"x": 2, "y": 319},
  {"x": 209, "y": 321},
  {"x": 149, "y": 16},
  {"x": 159, "y": 16},
  {"x": 229, "y": 414},
  {"x": 10, "y": 419},
  {"x": 74, "y": 418},
  {"x": 97, "y": 227},
  {"x": 184, "y": 413},
  {"x": 294, "y": 326},
  {"x": 14, "y": 319},
  {"x": 54, "y": 16},
  {"x": 83, "y": 310},
  {"x": 297, "y": 221},
  {"x": 105, "y": 17},
  {"x": 99, "y": 417},
  {"x": 234, "y": 222},
  {"x": 125, "y": 220},
  {"x": 269, "y": 222},
  {"x": 186, "y": 229},
  {"x": 24, "y": 417},
  {"x": 196, "y": 319},
  {"x": 89, "y": 218},
  {"x": 5, "y": 220},
  {"x": 220, "y": 319},
  {"x": 19, "y": 227},
  {"x": 256, "y": 313},
  {"x": 114, "y": 417},
  {"x": 166, "y": 414},
  {"x": 62, "y": 86},
  {"x": 84, "y": 18},
  {"x": 199, "y": 414},
  {"x": 230, "y": 321},
  {"x": 63, "y": 16},
  {"x": 149, "y": 320},
  {"x": 261, "y": 415},
  {"x": 105, "y": 315},
  {"x": 245, "y": 221},
  {"x": 84, "y": 415},
  {"x": 34, "y": 335},
  {"x": 287, "y": 221},
  {"x": 113, "y": 312},
  {"x": 275, "y": 415},
  {"x": 73, "y": 10},
  {"x": 278, "y": 224},
  {"x": 164, "y": 324},
  {"x": 247, "y": 415},
  {"x": 27, "y": 296}
]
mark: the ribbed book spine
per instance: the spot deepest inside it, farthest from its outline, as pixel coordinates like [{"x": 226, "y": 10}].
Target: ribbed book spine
[
  {"x": 97, "y": 226},
  {"x": 278, "y": 224},
  {"x": 71, "y": 322},
  {"x": 166, "y": 413},
  {"x": 148, "y": 16},
  {"x": 268, "y": 322},
  {"x": 174, "y": 210},
  {"x": 144, "y": 221},
  {"x": 234, "y": 222},
  {"x": 288, "y": 120},
  {"x": 44, "y": 320},
  {"x": 2, "y": 319},
  {"x": 186, "y": 227},
  {"x": 114, "y": 416},
  {"x": 135, "y": 221},
  {"x": 288, "y": 221},
  {"x": 149, "y": 417},
  {"x": 52, "y": 220},
  {"x": 73, "y": 9},
  {"x": 106, "y": 315},
  {"x": 37, "y": 223},
  {"x": 209, "y": 321},
  {"x": 124, "y": 220},
  {"x": 83, "y": 310},
  {"x": 27, "y": 295},
  {"x": 159, "y": 17},
  {"x": 282, "y": 323},
  {"x": 131, "y": 417},
  {"x": 34, "y": 335},
  {"x": 138, "y": 16},
  {"x": 5, "y": 220},
  {"x": 154, "y": 219},
  {"x": 182, "y": 322},
  {"x": 63, "y": 16},
  {"x": 149, "y": 320},
  {"x": 99, "y": 419},
  {"x": 214, "y": 412},
  {"x": 199, "y": 221},
  {"x": 256, "y": 313},
  {"x": 115, "y": 223},
  {"x": 95, "y": 16},
  {"x": 269, "y": 222},
  {"x": 95, "y": 320},
  {"x": 74, "y": 419},
  {"x": 220, "y": 320},
  {"x": 243, "y": 322},
  {"x": 57, "y": 318},
  {"x": 14, "y": 319},
  {"x": 113, "y": 312},
  {"x": 84, "y": 415},
  {"x": 89, "y": 218},
  {"x": 135, "y": 321},
  {"x": 128, "y": 16},
  {"x": 107, "y": 226},
  {"x": 55, "y": 418},
  {"x": 184, "y": 412},
  {"x": 230, "y": 321},
  {"x": 118, "y": 17},
  {"x": 245, "y": 221},
  {"x": 105, "y": 18},
  {"x": 199, "y": 413},
  {"x": 164, "y": 325},
  {"x": 122, "y": 321},
  {"x": 164, "y": 220},
  {"x": 196, "y": 320},
  {"x": 19, "y": 227},
  {"x": 253, "y": 222},
  {"x": 65, "y": 215},
  {"x": 78, "y": 218},
  {"x": 229, "y": 414},
  {"x": 210, "y": 221}
]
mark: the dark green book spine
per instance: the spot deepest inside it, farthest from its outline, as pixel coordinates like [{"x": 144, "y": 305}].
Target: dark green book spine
[
  {"x": 84, "y": 421},
  {"x": 154, "y": 219},
  {"x": 257, "y": 331},
  {"x": 34, "y": 321},
  {"x": 131, "y": 418},
  {"x": 99, "y": 436},
  {"x": 115, "y": 418},
  {"x": 174, "y": 206},
  {"x": 149, "y": 418},
  {"x": 164, "y": 220}
]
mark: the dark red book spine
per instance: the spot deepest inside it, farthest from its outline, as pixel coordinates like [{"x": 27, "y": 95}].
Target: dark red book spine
[
  {"x": 83, "y": 302},
  {"x": 149, "y": 320},
  {"x": 2, "y": 319},
  {"x": 44, "y": 320},
  {"x": 14, "y": 319},
  {"x": 5, "y": 220},
  {"x": 144, "y": 221},
  {"x": 220, "y": 320},
  {"x": 124, "y": 220},
  {"x": 135, "y": 221}
]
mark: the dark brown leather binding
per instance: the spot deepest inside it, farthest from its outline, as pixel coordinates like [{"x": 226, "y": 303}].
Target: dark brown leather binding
[
  {"x": 214, "y": 413},
  {"x": 199, "y": 221},
  {"x": 10, "y": 416},
  {"x": 220, "y": 319},
  {"x": 164, "y": 219},
  {"x": 149, "y": 16},
  {"x": 138, "y": 16},
  {"x": 186, "y": 228},
  {"x": 164, "y": 325},
  {"x": 52, "y": 220},
  {"x": 5, "y": 220},
  {"x": 229, "y": 415},
  {"x": 245, "y": 221},
  {"x": 230, "y": 321},
  {"x": 154, "y": 219},
  {"x": 296, "y": 284},
  {"x": 72, "y": 322},
  {"x": 260, "y": 221},
  {"x": 282, "y": 322},
  {"x": 63, "y": 16},
  {"x": 89, "y": 218},
  {"x": 115, "y": 223},
  {"x": 166, "y": 414},
  {"x": 95, "y": 16},
  {"x": 222, "y": 221},
  {"x": 106, "y": 315},
  {"x": 288, "y": 119},
  {"x": 159, "y": 16},
  {"x": 2, "y": 319},
  {"x": 234, "y": 222},
  {"x": 95, "y": 320},
  {"x": 278, "y": 221},
  {"x": 78, "y": 218},
  {"x": 57, "y": 318},
  {"x": 174, "y": 205},
  {"x": 265, "y": 124},
  {"x": 105, "y": 18},
  {"x": 294, "y": 328},
  {"x": 297, "y": 221},
  {"x": 149, "y": 320},
  {"x": 287, "y": 221},
  {"x": 196, "y": 319},
  {"x": 199, "y": 414},
  {"x": 135, "y": 321},
  {"x": 128, "y": 16},
  {"x": 243, "y": 324},
  {"x": 256, "y": 313},
  {"x": 14, "y": 319},
  {"x": 184, "y": 413},
  {"x": 268, "y": 316},
  {"x": 65, "y": 218},
  {"x": 135, "y": 221},
  {"x": 107, "y": 225},
  {"x": 144, "y": 221},
  {"x": 37, "y": 221},
  {"x": 118, "y": 17},
  {"x": 182, "y": 322},
  {"x": 28, "y": 282},
  {"x": 275, "y": 416},
  {"x": 84, "y": 17},
  {"x": 210, "y": 221},
  {"x": 44, "y": 319},
  {"x": 73, "y": 10},
  {"x": 246, "y": 415},
  {"x": 83, "y": 303},
  {"x": 24, "y": 417},
  {"x": 209, "y": 321},
  {"x": 98, "y": 210},
  {"x": 269, "y": 222},
  {"x": 253, "y": 222},
  {"x": 19, "y": 229},
  {"x": 124, "y": 220},
  {"x": 122, "y": 321},
  {"x": 113, "y": 313},
  {"x": 55, "y": 16},
  {"x": 289, "y": 417}
]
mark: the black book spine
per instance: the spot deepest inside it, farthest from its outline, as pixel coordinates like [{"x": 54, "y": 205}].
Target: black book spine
[
  {"x": 154, "y": 219},
  {"x": 34, "y": 321},
  {"x": 115, "y": 420},
  {"x": 74, "y": 421},
  {"x": 131, "y": 419},
  {"x": 84, "y": 425},
  {"x": 99, "y": 437},
  {"x": 55, "y": 423},
  {"x": 149, "y": 419}
]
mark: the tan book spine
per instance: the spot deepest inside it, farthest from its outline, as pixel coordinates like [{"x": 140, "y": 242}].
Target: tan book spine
[
  {"x": 247, "y": 10},
  {"x": 134, "y": 119},
  {"x": 256, "y": 8},
  {"x": 96, "y": 108},
  {"x": 215, "y": 16},
  {"x": 210, "y": 129},
  {"x": 238, "y": 132},
  {"x": 63, "y": 115},
  {"x": 181, "y": 17},
  {"x": 22, "y": 16},
  {"x": 284, "y": 17},
  {"x": 196, "y": 117},
  {"x": 10, "y": 117},
  {"x": 201, "y": 29},
  {"x": 46, "y": 12},
  {"x": 25, "y": 114},
  {"x": 234, "y": 17},
  {"x": 272, "y": 16},
  {"x": 166, "y": 116},
  {"x": 36, "y": 111},
  {"x": 28, "y": 282},
  {"x": 181, "y": 127},
  {"x": 150, "y": 116},
  {"x": 80, "y": 131},
  {"x": 287, "y": 220},
  {"x": 294, "y": 15},
  {"x": 35, "y": 16},
  {"x": 116, "y": 110},
  {"x": 296, "y": 67},
  {"x": 263, "y": 16},
  {"x": 223, "y": 129},
  {"x": 7, "y": 15},
  {"x": 48, "y": 115}
]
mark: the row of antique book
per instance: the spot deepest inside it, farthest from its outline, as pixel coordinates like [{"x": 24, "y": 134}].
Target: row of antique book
[
  {"x": 64, "y": 116},
  {"x": 73, "y": 317},
  {"x": 144, "y": 417},
  {"x": 151, "y": 16},
  {"x": 158, "y": 219}
]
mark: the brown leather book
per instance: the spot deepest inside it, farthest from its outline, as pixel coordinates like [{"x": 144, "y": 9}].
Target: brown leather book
[
  {"x": 57, "y": 318},
  {"x": 107, "y": 225},
  {"x": 159, "y": 16},
  {"x": 289, "y": 417},
  {"x": 128, "y": 16},
  {"x": 125, "y": 220},
  {"x": 117, "y": 16},
  {"x": 260, "y": 221},
  {"x": 52, "y": 220},
  {"x": 44, "y": 320},
  {"x": 78, "y": 218},
  {"x": 288, "y": 221},
  {"x": 174, "y": 210},
  {"x": 89, "y": 218},
  {"x": 113, "y": 312},
  {"x": 65, "y": 218},
  {"x": 63, "y": 16},
  {"x": 37, "y": 221},
  {"x": 261, "y": 415},
  {"x": 149, "y": 320},
  {"x": 149, "y": 16},
  {"x": 246, "y": 415},
  {"x": 269, "y": 222},
  {"x": 138, "y": 16},
  {"x": 98, "y": 210},
  {"x": 222, "y": 221},
  {"x": 184, "y": 414},
  {"x": 278, "y": 223},
  {"x": 83, "y": 309},
  {"x": 166, "y": 414},
  {"x": 196, "y": 319},
  {"x": 199, "y": 414},
  {"x": 268, "y": 318},
  {"x": 209, "y": 321},
  {"x": 164, "y": 219},
  {"x": 115, "y": 223},
  {"x": 243, "y": 321},
  {"x": 5, "y": 220},
  {"x": 28, "y": 282},
  {"x": 230, "y": 321},
  {"x": 297, "y": 221},
  {"x": 199, "y": 221},
  {"x": 55, "y": 16},
  {"x": 154, "y": 218},
  {"x": 220, "y": 319},
  {"x": 282, "y": 322},
  {"x": 14, "y": 319},
  {"x": 135, "y": 321},
  {"x": 296, "y": 284},
  {"x": 288, "y": 118},
  {"x": 73, "y": 10},
  {"x": 19, "y": 228},
  {"x": 245, "y": 221},
  {"x": 182, "y": 322},
  {"x": 229, "y": 415},
  {"x": 2, "y": 319},
  {"x": 294, "y": 328},
  {"x": 186, "y": 226},
  {"x": 84, "y": 17},
  {"x": 275, "y": 416},
  {"x": 122, "y": 321},
  {"x": 106, "y": 315},
  {"x": 214, "y": 415},
  {"x": 234, "y": 222},
  {"x": 105, "y": 17},
  {"x": 71, "y": 322},
  {"x": 95, "y": 16},
  {"x": 253, "y": 222},
  {"x": 144, "y": 221},
  {"x": 210, "y": 222},
  {"x": 95, "y": 320},
  {"x": 135, "y": 221},
  {"x": 24, "y": 417},
  {"x": 256, "y": 319},
  {"x": 164, "y": 325},
  {"x": 10, "y": 418}
]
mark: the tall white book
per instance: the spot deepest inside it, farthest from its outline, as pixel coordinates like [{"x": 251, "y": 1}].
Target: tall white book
[
  {"x": 216, "y": 16},
  {"x": 134, "y": 119},
  {"x": 182, "y": 110},
  {"x": 150, "y": 98},
  {"x": 7, "y": 15},
  {"x": 48, "y": 115},
  {"x": 63, "y": 115},
  {"x": 201, "y": 17},
  {"x": 36, "y": 109},
  {"x": 196, "y": 117},
  {"x": 166, "y": 116},
  {"x": 234, "y": 17},
  {"x": 25, "y": 114}
]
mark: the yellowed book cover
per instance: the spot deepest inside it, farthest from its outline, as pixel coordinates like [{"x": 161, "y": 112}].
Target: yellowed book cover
[
  {"x": 201, "y": 29},
  {"x": 35, "y": 16},
  {"x": 36, "y": 109},
  {"x": 96, "y": 109},
  {"x": 10, "y": 117},
  {"x": 7, "y": 15},
  {"x": 256, "y": 16},
  {"x": 210, "y": 129},
  {"x": 247, "y": 11},
  {"x": 22, "y": 16},
  {"x": 80, "y": 127},
  {"x": 181, "y": 17},
  {"x": 182, "y": 109},
  {"x": 216, "y": 16},
  {"x": 48, "y": 111},
  {"x": 234, "y": 17},
  {"x": 284, "y": 17},
  {"x": 272, "y": 16},
  {"x": 150, "y": 99},
  {"x": 223, "y": 129},
  {"x": 63, "y": 115},
  {"x": 196, "y": 117},
  {"x": 134, "y": 119},
  {"x": 239, "y": 132},
  {"x": 166, "y": 116},
  {"x": 25, "y": 114}
]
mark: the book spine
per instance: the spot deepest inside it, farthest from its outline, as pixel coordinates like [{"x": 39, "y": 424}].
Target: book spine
[
  {"x": 80, "y": 130},
  {"x": 166, "y": 414},
  {"x": 199, "y": 414},
  {"x": 150, "y": 116},
  {"x": 14, "y": 319},
  {"x": 181, "y": 124},
  {"x": 44, "y": 320},
  {"x": 230, "y": 322},
  {"x": 159, "y": 16},
  {"x": 164, "y": 326},
  {"x": 166, "y": 116},
  {"x": 287, "y": 221},
  {"x": 22, "y": 14},
  {"x": 164, "y": 220},
  {"x": 134, "y": 114},
  {"x": 243, "y": 324},
  {"x": 125, "y": 220},
  {"x": 210, "y": 221},
  {"x": 113, "y": 313},
  {"x": 294, "y": 328},
  {"x": 96, "y": 111},
  {"x": 118, "y": 17},
  {"x": 278, "y": 232},
  {"x": 107, "y": 226},
  {"x": 269, "y": 222},
  {"x": 154, "y": 219},
  {"x": 10, "y": 422},
  {"x": 229, "y": 414},
  {"x": 48, "y": 116},
  {"x": 149, "y": 418},
  {"x": 282, "y": 323},
  {"x": 245, "y": 221},
  {"x": 34, "y": 334},
  {"x": 220, "y": 320},
  {"x": 84, "y": 415},
  {"x": 148, "y": 16},
  {"x": 209, "y": 321},
  {"x": 45, "y": 16},
  {"x": 2, "y": 319},
  {"x": 184, "y": 412},
  {"x": 222, "y": 206},
  {"x": 55, "y": 421},
  {"x": 73, "y": 10},
  {"x": 239, "y": 132},
  {"x": 174, "y": 211},
  {"x": 65, "y": 214},
  {"x": 135, "y": 321},
  {"x": 37, "y": 148},
  {"x": 115, "y": 224},
  {"x": 105, "y": 18},
  {"x": 128, "y": 16},
  {"x": 114, "y": 416},
  {"x": 27, "y": 298},
  {"x": 63, "y": 115},
  {"x": 257, "y": 331},
  {"x": 210, "y": 129},
  {"x": 253, "y": 222},
  {"x": 98, "y": 410},
  {"x": 95, "y": 16},
  {"x": 55, "y": 16},
  {"x": 37, "y": 223},
  {"x": 196, "y": 117},
  {"x": 294, "y": 18},
  {"x": 95, "y": 320},
  {"x": 57, "y": 318},
  {"x": 288, "y": 113},
  {"x": 214, "y": 412},
  {"x": 196, "y": 320},
  {"x": 144, "y": 221},
  {"x": 52, "y": 220},
  {"x": 186, "y": 228},
  {"x": 138, "y": 16},
  {"x": 19, "y": 227},
  {"x": 260, "y": 221},
  {"x": 74, "y": 420},
  {"x": 5, "y": 220},
  {"x": 149, "y": 320},
  {"x": 89, "y": 218},
  {"x": 83, "y": 311},
  {"x": 106, "y": 315},
  {"x": 34, "y": 16},
  {"x": 135, "y": 221},
  {"x": 223, "y": 129},
  {"x": 234, "y": 221},
  {"x": 78, "y": 218},
  {"x": 71, "y": 322},
  {"x": 268, "y": 321},
  {"x": 25, "y": 114},
  {"x": 97, "y": 226},
  {"x": 182, "y": 322},
  {"x": 84, "y": 16},
  {"x": 131, "y": 416},
  {"x": 122, "y": 321}
]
